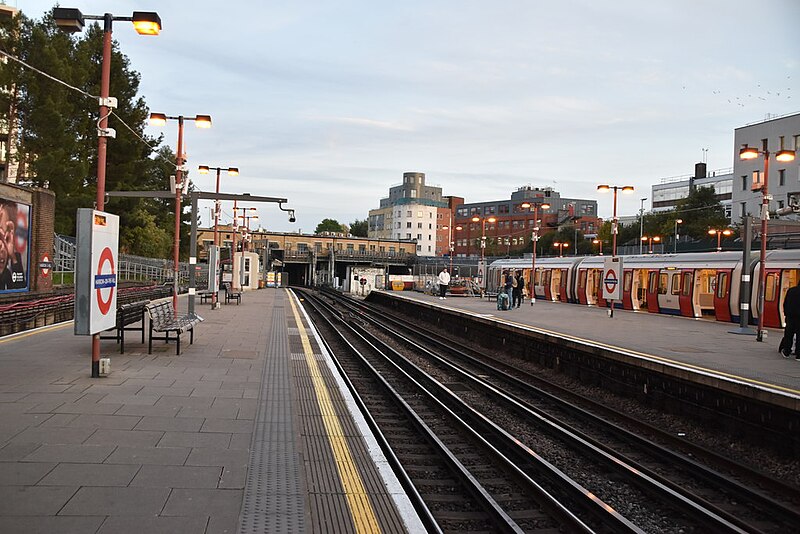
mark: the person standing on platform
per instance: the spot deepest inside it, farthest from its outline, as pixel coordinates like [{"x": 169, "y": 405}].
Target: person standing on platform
[
  {"x": 791, "y": 310},
  {"x": 510, "y": 282},
  {"x": 517, "y": 289},
  {"x": 444, "y": 281}
]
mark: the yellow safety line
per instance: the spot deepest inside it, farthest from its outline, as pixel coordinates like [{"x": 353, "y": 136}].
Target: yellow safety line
[
  {"x": 357, "y": 499},
  {"x": 14, "y": 337}
]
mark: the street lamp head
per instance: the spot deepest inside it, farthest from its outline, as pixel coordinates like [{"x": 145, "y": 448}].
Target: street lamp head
[
  {"x": 203, "y": 169},
  {"x": 785, "y": 155},
  {"x": 491, "y": 219},
  {"x": 233, "y": 171},
  {"x": 678, "y": 221},
  {"x": 644, "y": 238},
  {"x": 748, "y": 152},
  {"x": 595, "y": 241},
  {"x": 202, "y": 121},
  {"x": 526, "y": 205},
  {"x": 565, "y": 245},
  {"x": 146, "y": 22},
  {"x": 476, "y": 219},
  {"x": 68, "y": 19},
  {"x": 727, "y": 232},
  {"x": 459, "y": 227},
  {"x": 604, "y": 188},
  {"x": 158, "y": 119},
  {"x": 544, "y": 206},
  {"x": 627, "y": 189},
  {"x": 657, "y": 239}
]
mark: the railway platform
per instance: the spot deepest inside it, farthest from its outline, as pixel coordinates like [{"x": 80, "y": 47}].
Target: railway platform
[
  {"x": 702, "y": 347},
  {"x": 248, "y": 430}
]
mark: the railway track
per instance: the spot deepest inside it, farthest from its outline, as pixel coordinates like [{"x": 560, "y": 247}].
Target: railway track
[{"x": 656, "y": 487}]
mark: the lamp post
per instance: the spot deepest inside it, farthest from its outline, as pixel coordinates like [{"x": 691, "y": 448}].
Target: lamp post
[
  {"x": 483, "y": 245},
  {"x": 561, "y": 245},
  {"x": 747, "y": 153},
  {"x": 599, "y": 244},
  {"x": 534, "y": 207},
  {"x": 201, "y": 121},
  {"x": 72, "y": 20},
  {"x": 232, "y": 171},
  {"x": 450, "y": 242},
  {"x": 719, "y": 233},
  {"x": 614, "y": 221},
  {"x": 650, "y": 240},
  {"x": 641, "y": 224},
  {"x": 677, "y": 222}
]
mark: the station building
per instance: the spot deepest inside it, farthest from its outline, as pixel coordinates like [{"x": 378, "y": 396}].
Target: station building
[{"x": 670, "y": 191}]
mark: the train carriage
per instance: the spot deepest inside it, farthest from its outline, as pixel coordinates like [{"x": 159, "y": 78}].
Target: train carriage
[{"x": 694, "y": 285}]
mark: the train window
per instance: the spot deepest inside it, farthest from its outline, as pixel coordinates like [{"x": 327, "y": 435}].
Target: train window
[
  {"x": 769, "y": 291},
  {"x": 722, "y": 284},
  {"x": 627, "y": 280},
  {"x": 652, "y": 282},
  {"x": 582, "y": 279},
  {"x": 662, "y": 284},
  {"x": 686, "y": 288}
]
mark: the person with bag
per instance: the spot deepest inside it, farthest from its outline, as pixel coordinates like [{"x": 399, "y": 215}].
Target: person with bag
[{"x": 517, "y": 288}]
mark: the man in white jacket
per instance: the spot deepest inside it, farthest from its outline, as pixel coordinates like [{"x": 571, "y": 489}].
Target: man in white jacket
[{"x": 444, "y": 281}]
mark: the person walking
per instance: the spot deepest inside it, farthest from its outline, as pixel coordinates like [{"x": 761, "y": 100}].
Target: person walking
[
  {"x": 444, "y": 281},
  {"x": 517, "y": 289},
  {"x": 791, "y": 310},
  {"x": 509, "y": 288}
]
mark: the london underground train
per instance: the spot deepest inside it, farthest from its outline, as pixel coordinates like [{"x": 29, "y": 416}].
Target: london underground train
[{"x": 704, "y": 284}]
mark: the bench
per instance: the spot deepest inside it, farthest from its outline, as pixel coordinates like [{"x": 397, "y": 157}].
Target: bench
[
  {"x": 128, "y": 314},
  {"x": 230, "y": 294},
  {"x": 205, "y": 295},
  {"x": 163, "y": 320}
]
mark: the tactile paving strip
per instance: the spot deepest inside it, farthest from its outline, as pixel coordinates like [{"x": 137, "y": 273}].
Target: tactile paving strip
[{"x": 274, "y": 500}]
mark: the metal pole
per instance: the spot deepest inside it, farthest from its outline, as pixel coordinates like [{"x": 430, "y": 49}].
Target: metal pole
[
  {"x": 102, "y": 145},
  {"x": 535, "y": 239},
  {"x": 745, "y": 285},
  {"x": 178, "y": 191},
  {"x": 193, "y": 256},
  {"x": 233, "y": 249},
  {"x": 762, "y": 278},
  {"x": 641, "y": 224},
  {"x": 214, "y": 295}
]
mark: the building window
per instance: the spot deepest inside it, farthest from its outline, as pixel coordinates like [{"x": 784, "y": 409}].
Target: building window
[
  {"x": 408, "y": 224},
  {"x": 419, "y": 237},
  {"x": 419, "y": 214},
  {"x": 782, "y": 177},
  {"x": 743, "y": 210},
  {"x": 419, "y": 225},
  {"x": 408, "y": 236},
  {"x": 744, "y": 183},
  {"x": 408, "y": 213},
  {"x": 429, "y": 248},
  {"x": 419, "y": 248},
  {"x": 502, "y": 208}
]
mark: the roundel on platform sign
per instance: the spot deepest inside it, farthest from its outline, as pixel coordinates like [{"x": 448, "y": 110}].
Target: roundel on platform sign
[
  {"x": 45, "y": 265},
  {"x": 611, "y": 281},
  {"x": 105, "y": 281}
]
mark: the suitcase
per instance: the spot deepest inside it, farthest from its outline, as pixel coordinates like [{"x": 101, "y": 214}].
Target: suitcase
[{"x": 502, "y": 301}]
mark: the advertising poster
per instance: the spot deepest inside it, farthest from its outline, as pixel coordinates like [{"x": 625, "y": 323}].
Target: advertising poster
[{"x": 15, "y": 246}]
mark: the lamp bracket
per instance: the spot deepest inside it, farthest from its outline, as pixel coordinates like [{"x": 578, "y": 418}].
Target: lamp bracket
[
  {"x": 109, "y": 102},
  {"x": 107, "y": 132},
  {"x": 768, "y": 198}
]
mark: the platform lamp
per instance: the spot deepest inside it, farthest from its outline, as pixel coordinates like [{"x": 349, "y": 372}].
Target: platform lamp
[
  {"x": 232, "y": 171},
  {"x": 650, "y": 240},
  {"x": 626, "y": 189},
  {"x": 719, "y": 233},
  {"x": 561, "y": 245},
  {"x": 599, "y": 244},
  {"x": 677, "y": 222},
  {"x": 483, "y": 220},
  {"x": 450, "y": 241},
  {"x": 72, "y": 20},
  {"x": 201, "y": 121},
  {"x": 534, "y": 207},
  {"x": 783, "y": 155}
]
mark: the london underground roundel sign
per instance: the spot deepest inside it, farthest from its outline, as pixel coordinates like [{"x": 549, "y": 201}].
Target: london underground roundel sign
[{"x": 105, "y": 281}]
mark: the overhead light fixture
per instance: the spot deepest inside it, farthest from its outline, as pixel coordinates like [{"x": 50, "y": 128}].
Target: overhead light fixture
[
  {"x": 146, "y": 22},
  {"x": 68, "y": 19}
]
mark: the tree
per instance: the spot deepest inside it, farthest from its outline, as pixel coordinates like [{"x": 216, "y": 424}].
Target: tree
[
  {"x": 359, "y": 228},
  {"x": 700, "y": 211},
  {"x": 328, "y": 225}
]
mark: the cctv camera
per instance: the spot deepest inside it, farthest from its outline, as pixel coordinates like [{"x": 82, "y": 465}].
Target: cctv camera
[{"x": 291, "y": 216}]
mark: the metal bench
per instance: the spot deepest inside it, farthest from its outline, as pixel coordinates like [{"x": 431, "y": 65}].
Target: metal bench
[
  {"x": 128, "y": 314},
  {"x": 163, "y": 320},
  {"x": 230, "y": 294},
  {"x": 205, "y": 295}
]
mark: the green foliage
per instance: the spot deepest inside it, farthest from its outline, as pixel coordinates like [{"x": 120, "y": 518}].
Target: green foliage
[
  {"x": 57, "y": 145},
  {"x": 359, "y": 228},
  {"x": 328, "y": 225},
  {"x": 700, "y": 211}
]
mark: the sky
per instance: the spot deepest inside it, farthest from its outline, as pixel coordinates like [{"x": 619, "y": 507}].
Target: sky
[{"x": 328, "y": 103}]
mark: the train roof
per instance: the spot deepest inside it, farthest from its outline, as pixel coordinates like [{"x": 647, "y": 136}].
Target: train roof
[{"x": 695, "y": 260}]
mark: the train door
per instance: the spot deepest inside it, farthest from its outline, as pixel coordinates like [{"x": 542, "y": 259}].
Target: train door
[
  {"x": 687, "y": 292},
  {"x": 669, "y": 291},
  {"x": 772, "y": 293},
  {"x": 562, "y": 286},
  {"x": 722, "y": 295},
  {"x": 546, "y": 274},
  {"x": 583, "y": 276},
  {"x": 639, "y": 289},
  {"x": 537, "y": 283},
  {"x": 789, "y": 278},
  {"x": 653, "y": 278},
  {"x": 627, "y": 284},
  {"x": 593, "y": 286},
  {"x": 555, "y": 284}
]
